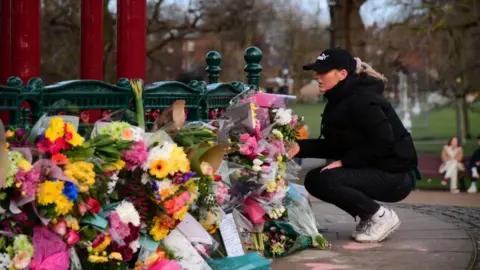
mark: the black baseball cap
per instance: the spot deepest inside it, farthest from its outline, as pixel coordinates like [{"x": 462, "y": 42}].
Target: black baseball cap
[{"x": 333, "y": 59}]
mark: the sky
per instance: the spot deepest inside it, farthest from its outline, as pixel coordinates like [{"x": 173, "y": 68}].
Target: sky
[{"x": 371, "y": 11}]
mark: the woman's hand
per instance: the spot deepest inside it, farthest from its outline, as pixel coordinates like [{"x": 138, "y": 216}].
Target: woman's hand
[
  {"x": 333, "y": 165},
  {"x": 293, "y": 150}
]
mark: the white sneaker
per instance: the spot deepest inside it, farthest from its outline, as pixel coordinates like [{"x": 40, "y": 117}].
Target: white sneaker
[
  {"x": 473, "y": 188},
  {"x": 360, "y": 228},
  {"x": 381, "y": 225},
  {"x": 455, "y": 191}
]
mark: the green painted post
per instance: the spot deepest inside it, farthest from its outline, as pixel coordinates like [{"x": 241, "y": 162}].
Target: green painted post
[
  {"x": 213, "y": 69},
  {"x": 25, "y": 118},
  {"x": 253, "y": 56}
]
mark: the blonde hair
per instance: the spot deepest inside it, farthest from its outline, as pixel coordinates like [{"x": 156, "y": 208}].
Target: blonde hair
[{"x": 365, "y": 69}]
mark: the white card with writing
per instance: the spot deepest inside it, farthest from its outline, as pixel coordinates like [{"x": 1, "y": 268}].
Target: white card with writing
[
  {"x": 187, "y": 256},
  {"x": 230, "y": 237}
]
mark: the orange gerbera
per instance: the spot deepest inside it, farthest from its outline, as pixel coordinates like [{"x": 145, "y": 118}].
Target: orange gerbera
[
  {"x": 159, "y": 168},
  {"x": 59, "y": 159}
]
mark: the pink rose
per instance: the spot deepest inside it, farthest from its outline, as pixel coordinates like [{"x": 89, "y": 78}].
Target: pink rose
[
  {"x": 72, "y": 238},
  {"x": 244, "y": 137},
  {"x": 245, "y": 150},
  {"x": 60, "y": 228}
]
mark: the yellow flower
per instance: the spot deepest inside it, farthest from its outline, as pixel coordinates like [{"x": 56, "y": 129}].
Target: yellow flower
[
  {"x": 271, "y": 186},
  {"x": 7, "y": 146},
  {"x": 9, "y": 133},
  {"x": 72, "y": 223},
  {"x": 97, "y": 259},
  {"x": 82, "y": 172},
  {"x": 158, "y": 233},
  {"x": 76, "y": 140},
  {"x": 116, "y": 256},
  {"x": 115, "y": 166},
  {"x": 159, "y": 168},
  {"x": 24, "y": 164},
  {"x": 102, "y": 246},
  {"x": 180, "y": 214},
  {"x": 178, "y": 161},
  {"x": 63, "y": 205},
  {"x": 55, "y": 130},
  {"x": 119, "y": 164},
  {"x": 49, "y": 191}
]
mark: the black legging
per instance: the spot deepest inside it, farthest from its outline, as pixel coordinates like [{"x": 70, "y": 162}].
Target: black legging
[{"x": 354, "y": 190}]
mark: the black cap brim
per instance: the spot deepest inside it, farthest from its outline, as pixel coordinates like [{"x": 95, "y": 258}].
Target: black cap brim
[{"x": 318, "y": 67}]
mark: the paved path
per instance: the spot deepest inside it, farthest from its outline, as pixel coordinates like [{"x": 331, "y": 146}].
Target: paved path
[
  {"x": 443, "y": 198},
  {"x": 422, "y": 242},
  {"x": 434, "y": 235}
]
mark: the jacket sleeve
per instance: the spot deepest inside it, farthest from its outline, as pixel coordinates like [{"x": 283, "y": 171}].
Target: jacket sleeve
[
  {"x": 315, "y": 148},
  {"x": 372, "y": 122},
  {"x": 475, "y": 158}
]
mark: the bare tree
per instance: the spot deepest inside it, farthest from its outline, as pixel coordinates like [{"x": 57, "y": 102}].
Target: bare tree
[{"x": 447, "y": 31}]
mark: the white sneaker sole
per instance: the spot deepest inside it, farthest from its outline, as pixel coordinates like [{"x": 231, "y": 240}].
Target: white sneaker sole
[{"x": 385, "y": 236}]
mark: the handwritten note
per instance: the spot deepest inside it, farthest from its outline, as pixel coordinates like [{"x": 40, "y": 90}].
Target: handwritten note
[{"x": 230, "y": 237}]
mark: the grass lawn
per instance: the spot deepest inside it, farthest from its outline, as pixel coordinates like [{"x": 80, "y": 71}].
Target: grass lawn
[
  {"x": 431, "y": 184},
  {"x": 436, "y": 126},
  {"x": 435, "y": 184}
]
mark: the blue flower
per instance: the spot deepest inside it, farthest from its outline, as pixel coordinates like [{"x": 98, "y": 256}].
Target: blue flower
[{"x": 70, "y": 191}]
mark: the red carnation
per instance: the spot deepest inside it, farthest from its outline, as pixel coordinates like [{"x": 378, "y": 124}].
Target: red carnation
[{"x": 93, "y": 205}]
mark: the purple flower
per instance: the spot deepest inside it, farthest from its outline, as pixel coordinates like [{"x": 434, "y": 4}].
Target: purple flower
[
  {"x": 20, "y": 133},
  {"x": 187, "y": 176},
  {"x": 29, "y": 181}
]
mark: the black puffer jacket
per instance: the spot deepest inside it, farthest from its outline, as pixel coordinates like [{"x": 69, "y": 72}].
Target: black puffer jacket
[{"x": 360, "y": 128}]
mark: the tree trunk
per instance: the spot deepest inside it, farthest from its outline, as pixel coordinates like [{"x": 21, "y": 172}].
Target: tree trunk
[
  {"x": 460, "y": 105},
  {"x": 468, "y": 131}
]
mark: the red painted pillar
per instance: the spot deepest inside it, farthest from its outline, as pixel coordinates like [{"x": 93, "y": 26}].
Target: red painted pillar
[
  {"x": 131, "y": 38},
  {"x": 26, "y": 39},
  {"x": 91, "y": 63},
  {"x": 5, "y": 40}
]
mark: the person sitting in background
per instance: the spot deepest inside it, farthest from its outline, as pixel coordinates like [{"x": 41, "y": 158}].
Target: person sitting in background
[
  {"x": 452, "y": 156},
  {"x": 474, "y": 168},
  {"x": 302, "y": 133}
]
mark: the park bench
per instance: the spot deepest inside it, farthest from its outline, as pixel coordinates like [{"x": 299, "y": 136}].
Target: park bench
[{"x": 429, "y": 164}]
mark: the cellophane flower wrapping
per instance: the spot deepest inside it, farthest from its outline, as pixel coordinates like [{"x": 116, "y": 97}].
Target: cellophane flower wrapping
[{"x": 301, "y": 216}]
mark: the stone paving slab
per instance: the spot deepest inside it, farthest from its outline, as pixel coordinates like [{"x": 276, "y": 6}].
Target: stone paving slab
[{"x": 422, "y": 242}]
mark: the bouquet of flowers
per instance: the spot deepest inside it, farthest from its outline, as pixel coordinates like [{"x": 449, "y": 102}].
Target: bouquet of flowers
[
  {"x": 111, "y": 237},
  {"x": 16, "y": 252},
  {"x": 280, "y": 239},
  {"x": 169, "y": 183}
]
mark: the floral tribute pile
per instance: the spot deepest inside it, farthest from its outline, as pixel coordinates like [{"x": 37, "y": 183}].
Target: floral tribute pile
[{"x": 125, "y": 198}]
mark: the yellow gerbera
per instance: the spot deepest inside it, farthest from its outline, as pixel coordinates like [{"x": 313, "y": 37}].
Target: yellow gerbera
[{"x": 159, "y": 168}]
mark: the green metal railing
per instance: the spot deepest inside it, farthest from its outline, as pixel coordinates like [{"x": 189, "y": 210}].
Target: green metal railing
[{"x": 78, "y": 96}]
